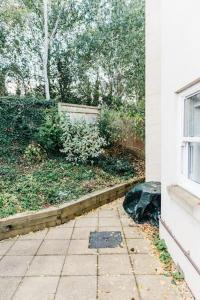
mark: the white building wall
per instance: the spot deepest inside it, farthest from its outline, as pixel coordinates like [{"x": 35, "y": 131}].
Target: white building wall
[
  {"x": 153, "y": 91},
  {"x": 180, "y": 65}
]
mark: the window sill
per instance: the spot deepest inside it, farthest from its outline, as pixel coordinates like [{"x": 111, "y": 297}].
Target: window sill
[{"x": 186, "y": 200}]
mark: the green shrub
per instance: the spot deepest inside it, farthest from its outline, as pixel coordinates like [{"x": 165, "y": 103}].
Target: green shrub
[
  {"x": 116, "y": 166},
  {"x": 34, "y": 153},
  {"x": 110, "y": 128},
  {"x": 49, "y": 133},
  {"x": 81, "y": 141},
  {"x": 20, "y": 120}
]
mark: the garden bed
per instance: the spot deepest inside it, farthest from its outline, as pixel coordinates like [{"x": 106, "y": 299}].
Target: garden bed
[{"x": 25, "y": 187}]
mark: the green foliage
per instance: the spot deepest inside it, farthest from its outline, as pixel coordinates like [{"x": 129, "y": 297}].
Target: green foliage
[
  {"x": 34, "y": 153},
  {"x": 178, "y": 276},
  {"x": 20, "y": 119},
  {"x": 113, "y": 165},
  {"x": 162, "y": 248},
  {"x": 117, "y": 123},
  {"x": 31, "y": 187},
  {"x": 49, "y": 133},
  {"x": 82, "y": 142},
  {"x": 97, "y": 54}
]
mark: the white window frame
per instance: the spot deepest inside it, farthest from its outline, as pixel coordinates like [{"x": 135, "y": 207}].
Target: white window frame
[{"x": 183, "y": 159}]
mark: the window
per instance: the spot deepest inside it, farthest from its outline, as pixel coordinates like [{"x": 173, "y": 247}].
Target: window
[{"x": 189, "y": 147}]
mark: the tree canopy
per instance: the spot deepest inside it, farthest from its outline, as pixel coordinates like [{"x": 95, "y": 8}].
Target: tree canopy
[{"x": 81, "y": 51}]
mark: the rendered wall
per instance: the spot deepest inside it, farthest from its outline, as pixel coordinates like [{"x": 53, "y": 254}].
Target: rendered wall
[
  {"x": 180, "y": 65},
  {"x": 153, "y": 91}
]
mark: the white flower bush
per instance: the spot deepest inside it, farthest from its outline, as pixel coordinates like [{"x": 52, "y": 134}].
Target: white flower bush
[{"x": 81, "y": 141}]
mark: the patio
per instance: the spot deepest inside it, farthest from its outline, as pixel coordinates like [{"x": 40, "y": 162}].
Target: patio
[{"x": 56, "y": 263}]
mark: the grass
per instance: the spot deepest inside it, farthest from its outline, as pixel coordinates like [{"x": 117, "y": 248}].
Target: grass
[{"x": 32, "y": 187}]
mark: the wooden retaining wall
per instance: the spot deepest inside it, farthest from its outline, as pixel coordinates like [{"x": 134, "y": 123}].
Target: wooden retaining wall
[{"x": 24, "y": 223}]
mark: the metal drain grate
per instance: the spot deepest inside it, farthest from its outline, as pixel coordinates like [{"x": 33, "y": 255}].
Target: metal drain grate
[{"x": 105, "y": 239}]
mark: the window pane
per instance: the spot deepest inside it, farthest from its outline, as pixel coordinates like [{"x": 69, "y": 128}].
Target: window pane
[
  {"x": 192, "y": 116},
  {"x": 194, "y": 162}
]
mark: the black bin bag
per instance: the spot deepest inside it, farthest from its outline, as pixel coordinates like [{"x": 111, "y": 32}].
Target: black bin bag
[{"x": 143, "y": 202}]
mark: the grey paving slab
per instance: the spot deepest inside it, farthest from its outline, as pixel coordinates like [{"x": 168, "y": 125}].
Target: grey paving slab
[
  {"x": 53, "y": 247},
  {"x": 132, "y": 233},
  {"x": 109, "y": 222},
  {"x": 146, "y": 264},
  {"x": 80, "y": 247},
  {"x": 25, "y": 247},
  {"x": 38, "y": 235},
  {"x": 138, "y": 245},
  {"x": 77, "y": 288},
  {"x": 59, "y": 233},
  {"x": 69, "y": 224},
  {"x": 108, "y": 213},
  {"x": 80, "y": 265},
  {"x": 117, "y": 288},
  {"x": 157, "y": 287},
  {"x": 114, "y": 264},
  {"x": 14, "y": 265},
  {"x": 83, "y": 233},
  {"x": 46, "y": 265},
  {"x": 86, "y": 222},
  {"x": 37, "y": 288},
  {"x": 5, "y": 246},
  {"x": 8, "y": 286}
]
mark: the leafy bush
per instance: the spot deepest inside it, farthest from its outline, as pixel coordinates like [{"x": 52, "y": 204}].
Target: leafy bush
[
  {"x": 81, "y": 141},
  {"x": 117, "y": 124},
  {"x": 113, "y": 165},
  {"x": 20, "y": 120},
  {"x": 34, "y": 153},
  {"x": 49, "y": 133}
]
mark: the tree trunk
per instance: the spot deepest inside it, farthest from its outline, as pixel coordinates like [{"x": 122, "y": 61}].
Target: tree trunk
[{"x": 46, "y": 50}]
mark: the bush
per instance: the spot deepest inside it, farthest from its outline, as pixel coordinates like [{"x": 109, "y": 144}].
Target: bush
[
  {"x": 49, "y": 133},
  {"x": 20, "y": 120},
  {"x": 81, "y": 141},
  {"x": 117, "y": 124},
  {"x": 116, "y": 166},
  {"x": 34, "y": 153}
]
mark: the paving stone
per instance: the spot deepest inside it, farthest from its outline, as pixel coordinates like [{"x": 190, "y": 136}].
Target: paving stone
[
  {"x": 37, "y": 288},
  {"x": 25, "y": 247},
  {"x": 92, "y": 214},
  {"x": 54, "y": 247},
  {"x": 46, "y": 266},
  {"x": 77, "y": 288},
  {"x": 59, "y": 233},
  {"x": 146, "y": 264},
  {"x": 126, "y": 222},
  {"x": 132, "y": 233},
  {"x": 82, "y": 233},
  {"x": 80, "y": 247},
  {"x": 117, "y": 288},
  {"x": 69, "y": 224},
  {"x": 108, "y": 213},
  {"x": 8, "y": 285},
  {"x": 14, "y": 265},
  {"x": 114, "y": 264},
  {"x": 108, "y": 222},
  {"x": 86, "y": 222},
  {"x": 157, "y": 287},
  {"x": 5, "y": 245},
  {"x": 80, "y": 265},
  {"x": 39, "y": 235},
  {"x": 138, "y": 245}
]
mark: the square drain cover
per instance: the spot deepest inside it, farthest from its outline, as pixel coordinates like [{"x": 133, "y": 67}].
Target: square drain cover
[{"x": 105, "y": 239}]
